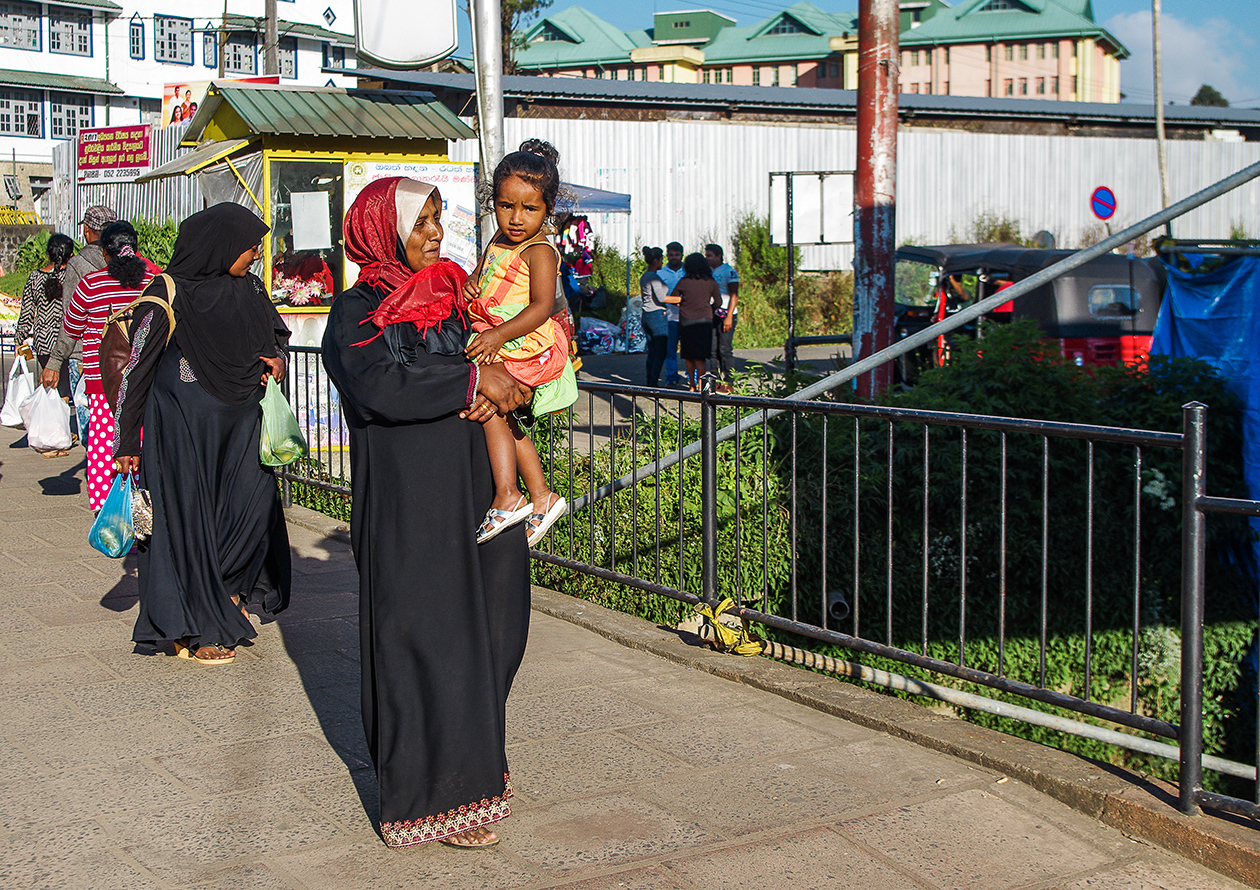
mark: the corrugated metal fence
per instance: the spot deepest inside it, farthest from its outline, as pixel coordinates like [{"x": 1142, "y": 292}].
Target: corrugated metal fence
[
  {"x": 691, "y": 180},
  {"x": 174, "y": 197}
]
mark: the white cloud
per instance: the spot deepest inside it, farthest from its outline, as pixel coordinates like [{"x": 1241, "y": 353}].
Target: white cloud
[{"x": 1210, "y": 52}]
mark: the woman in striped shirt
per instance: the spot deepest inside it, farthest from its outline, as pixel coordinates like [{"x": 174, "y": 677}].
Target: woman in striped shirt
[{"x": 98, "y": 295}]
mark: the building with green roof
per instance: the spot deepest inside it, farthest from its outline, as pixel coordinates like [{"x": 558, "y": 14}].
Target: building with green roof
[
  {"x": 1045, "y": 49},
  {"x": 1036, "y": 49}
]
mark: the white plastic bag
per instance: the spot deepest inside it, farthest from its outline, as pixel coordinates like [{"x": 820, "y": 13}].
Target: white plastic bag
[
  {"x": 21, "y": 387},
  {"x": 47, "y": 421}
]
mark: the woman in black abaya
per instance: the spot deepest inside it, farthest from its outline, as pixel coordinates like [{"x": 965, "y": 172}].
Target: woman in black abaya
[
  {"x": 219, "y": 541},
  {"x": 442, "y": 621}
]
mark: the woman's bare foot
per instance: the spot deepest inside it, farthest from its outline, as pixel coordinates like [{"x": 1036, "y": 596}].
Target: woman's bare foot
[{"x": 473, "y": 837}]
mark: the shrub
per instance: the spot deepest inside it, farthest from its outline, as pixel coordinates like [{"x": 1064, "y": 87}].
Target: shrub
[
  {"x": 1012, "y": 372},
  {"x": 157, "y": 239}
]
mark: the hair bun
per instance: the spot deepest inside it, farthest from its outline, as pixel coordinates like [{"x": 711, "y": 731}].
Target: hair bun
[{"x": 542, "y": 149}]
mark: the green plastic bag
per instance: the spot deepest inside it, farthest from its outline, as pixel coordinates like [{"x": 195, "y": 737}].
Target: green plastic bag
[
  {"x": 557, "y": 394},
  {"x": 281, "y": 442}
]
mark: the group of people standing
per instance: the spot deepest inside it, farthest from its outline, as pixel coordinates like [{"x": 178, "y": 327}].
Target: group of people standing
[
  {"x": 64, "y": 307},
  {"x": 690, "y": 305}
]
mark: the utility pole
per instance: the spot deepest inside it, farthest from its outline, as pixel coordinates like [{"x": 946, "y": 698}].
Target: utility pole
[
  {"x": 488, "y": 62},
  {"x": 1160, "y": 143},
  {"x": 271, "y": 40},
  {"x": 875, "y": 191},
  {"x": 223, "y": 39}
]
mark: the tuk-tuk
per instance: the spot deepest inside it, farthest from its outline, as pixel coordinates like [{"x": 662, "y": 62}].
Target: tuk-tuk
[{"x": 1101, "y": 313}]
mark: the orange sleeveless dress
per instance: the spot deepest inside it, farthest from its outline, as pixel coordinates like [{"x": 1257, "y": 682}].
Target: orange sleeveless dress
[{"x": 540, "y": 357}]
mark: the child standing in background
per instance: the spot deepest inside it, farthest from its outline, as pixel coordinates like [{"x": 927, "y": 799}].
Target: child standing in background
[{"x": 512, "y": 297}]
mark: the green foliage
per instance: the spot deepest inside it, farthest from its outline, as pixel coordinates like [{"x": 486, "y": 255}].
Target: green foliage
[
  {"x": 33, "y": 254},
  {"x": 1238, "y": 230},
  {"x": 759, "y": 261},
  {"x": 1089, "y": 593},
  {"x": 157, "y": 239},
  {"x": 321, "y": 500},
  {"x": 1210, "y": 97},
  {"x": 824, "y": 302},
  {"x": 513, "y": 15},
  {"x": 637, "y": 531},
  {"x": 12, "y": 283},
  {"x": 989, "y": 227}
]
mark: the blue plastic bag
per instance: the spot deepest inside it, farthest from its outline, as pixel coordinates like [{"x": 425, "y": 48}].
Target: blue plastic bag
[{"x": 112, "y": 532}]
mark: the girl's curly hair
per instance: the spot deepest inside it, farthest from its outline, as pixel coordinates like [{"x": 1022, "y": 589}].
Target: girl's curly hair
[{"x": 535, "y": 162}]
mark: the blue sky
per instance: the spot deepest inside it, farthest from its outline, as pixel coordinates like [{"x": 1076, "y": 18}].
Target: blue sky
[{"x": 1205, "y": 41}]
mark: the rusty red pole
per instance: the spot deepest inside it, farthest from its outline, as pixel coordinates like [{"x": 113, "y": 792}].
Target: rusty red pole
[{"x": 875, "y": 190}]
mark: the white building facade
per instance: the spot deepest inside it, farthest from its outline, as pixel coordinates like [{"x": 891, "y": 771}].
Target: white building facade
[{"x": 96, "y": 63}]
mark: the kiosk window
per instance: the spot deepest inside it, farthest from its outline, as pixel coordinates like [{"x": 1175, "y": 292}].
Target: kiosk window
[{"x": 306, "y": 210}]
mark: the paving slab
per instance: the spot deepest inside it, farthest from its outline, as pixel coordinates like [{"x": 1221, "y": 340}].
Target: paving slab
[{"x": 639, "y": 763}]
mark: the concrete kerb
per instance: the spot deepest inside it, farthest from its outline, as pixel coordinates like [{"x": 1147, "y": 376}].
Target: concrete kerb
[{"x": 1140, "y": 807}]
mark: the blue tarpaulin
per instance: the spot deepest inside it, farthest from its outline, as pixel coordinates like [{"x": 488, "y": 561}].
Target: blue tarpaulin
[
  {"x": 1215, "y": 316},
  {"x": 584, "y": 199}
]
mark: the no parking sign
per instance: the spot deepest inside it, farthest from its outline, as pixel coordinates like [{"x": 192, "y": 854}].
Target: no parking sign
[{"x": 1103, "y": 203}]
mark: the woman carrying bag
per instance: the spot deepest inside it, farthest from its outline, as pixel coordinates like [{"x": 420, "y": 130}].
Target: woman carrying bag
[
  {"x": 97, "y": 295},
  {"x": 219, "y": 541},
  {"x": 41, "y": 313}
]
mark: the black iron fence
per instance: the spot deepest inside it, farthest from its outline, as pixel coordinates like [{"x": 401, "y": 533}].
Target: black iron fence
[{"x": 972, "y": 552}]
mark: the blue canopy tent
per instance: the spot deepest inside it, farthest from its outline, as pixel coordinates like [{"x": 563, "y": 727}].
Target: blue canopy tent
[{"x": 585, "y": 200}]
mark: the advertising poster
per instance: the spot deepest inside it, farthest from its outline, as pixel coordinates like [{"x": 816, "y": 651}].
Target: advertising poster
[
  {"x": 456, "y": 182},
  {"x": 114, "y": 154},
  {"x": 180, "y": 101}
]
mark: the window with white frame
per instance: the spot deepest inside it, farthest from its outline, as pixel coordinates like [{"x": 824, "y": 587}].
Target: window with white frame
[
  {"x": 210, "y": 49},
  {"x": 67, "y": 113},
  {"x": 240, "y": 53},
  {"x": 786, "y": 25},
  {"x": 21, "y": 113},
  {"x": 334, "y": 56},
  {"x": 172, "y": 40},
  {"x": 19, "y": 25},
  {"x": 135, "y": 37},
  {"x": 69, "y": 31},
  {"x": 288, "y": 57}
]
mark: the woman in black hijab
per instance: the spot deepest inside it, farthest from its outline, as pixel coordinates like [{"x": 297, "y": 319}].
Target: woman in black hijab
[{"x": 219, "y": 540}]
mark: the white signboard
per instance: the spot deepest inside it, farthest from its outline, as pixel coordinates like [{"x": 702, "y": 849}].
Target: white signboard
[
  {"x": 456, "y": 182},
  {"x": 822, "y": 207},
  {"x": 312, "y": 220},
  {"x": 404, "y": 33}
]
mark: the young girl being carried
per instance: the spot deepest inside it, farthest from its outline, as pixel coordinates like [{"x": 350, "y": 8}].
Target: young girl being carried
[{"x": 512, "y": 296}]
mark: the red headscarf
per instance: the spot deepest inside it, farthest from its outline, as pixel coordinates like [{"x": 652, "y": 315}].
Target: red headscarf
[{"x": 375, "y": 229}]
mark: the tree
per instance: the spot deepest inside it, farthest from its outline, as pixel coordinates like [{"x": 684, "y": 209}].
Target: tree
[
  {"x": 514, "y": 13},
  {"x": 1207, "y": 95}
]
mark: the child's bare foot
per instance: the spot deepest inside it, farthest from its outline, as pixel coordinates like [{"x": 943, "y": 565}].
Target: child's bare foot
[{"x": 509, "y": 501}]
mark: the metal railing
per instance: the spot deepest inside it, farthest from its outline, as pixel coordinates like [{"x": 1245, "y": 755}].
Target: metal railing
[{"x": 797, "y": 521}]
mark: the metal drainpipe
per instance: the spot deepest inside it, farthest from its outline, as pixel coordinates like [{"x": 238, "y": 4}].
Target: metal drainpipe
[
  {"x": 708, "y": 492},
  {"x": 105, "y": 25},
  {"x": 876, "y": 187},
  {"x": 1193, "y": 546}
]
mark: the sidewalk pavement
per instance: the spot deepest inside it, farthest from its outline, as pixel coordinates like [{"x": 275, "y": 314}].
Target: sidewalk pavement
[{"x": 632, "y": 770}]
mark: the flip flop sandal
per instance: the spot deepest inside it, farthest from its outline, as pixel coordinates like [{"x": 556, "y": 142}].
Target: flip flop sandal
[
  {"x": 183, "y": 650},
  {"x": 459, "y": 846},
  {"x": 498, "y": 521},
  {"x": 541, "y": 523}
]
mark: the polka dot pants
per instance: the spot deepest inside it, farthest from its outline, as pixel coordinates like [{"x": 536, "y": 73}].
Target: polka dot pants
[{"x": 100, "y": 451}]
